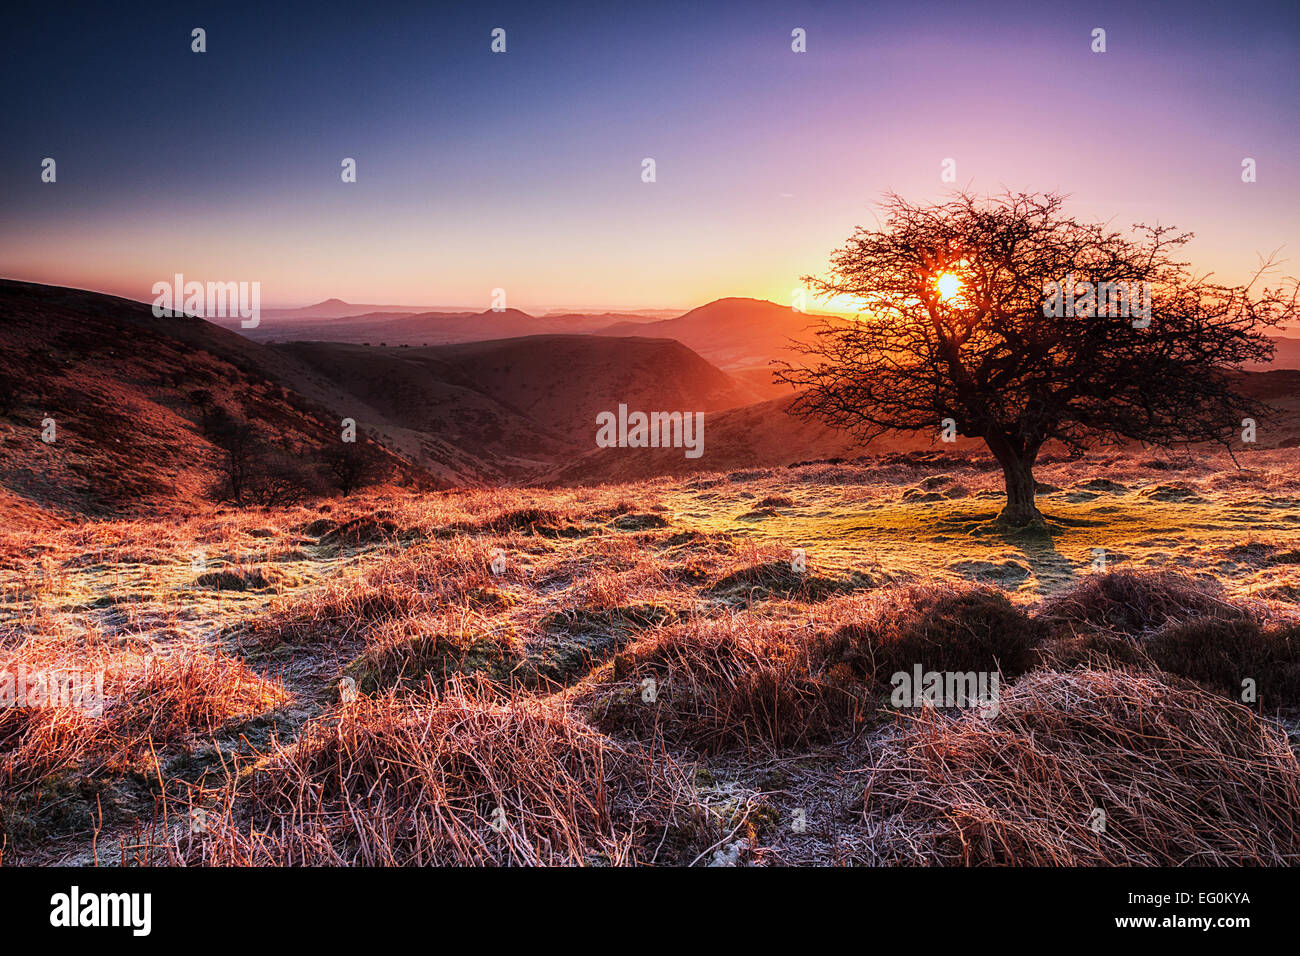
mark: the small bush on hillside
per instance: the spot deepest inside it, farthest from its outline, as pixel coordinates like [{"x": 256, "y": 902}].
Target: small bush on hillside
[{"x": 349, "y": 466}]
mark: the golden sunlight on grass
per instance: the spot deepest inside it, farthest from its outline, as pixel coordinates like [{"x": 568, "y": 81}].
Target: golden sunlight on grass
[{"x": 648, "y": 679}]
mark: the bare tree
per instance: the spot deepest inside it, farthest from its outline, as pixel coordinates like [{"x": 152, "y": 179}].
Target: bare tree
[
  {"x": 957, "y": 322},
  {"x": 241, "y": 453},
  {"x": 349, "y": 466},
  {"x": 206, "y": 404}
]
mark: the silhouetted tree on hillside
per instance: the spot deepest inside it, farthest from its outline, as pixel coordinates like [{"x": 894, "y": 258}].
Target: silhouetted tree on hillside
[
  {"x": 241, "y": 452},
  {"x": 953, "y": 327},
  {"x": 349, "y": 465}
]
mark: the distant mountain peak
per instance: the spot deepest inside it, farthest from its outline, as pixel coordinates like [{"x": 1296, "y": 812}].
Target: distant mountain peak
[
  {"x": 732, "y": 301},
  {"x": 514, "y": 313}
]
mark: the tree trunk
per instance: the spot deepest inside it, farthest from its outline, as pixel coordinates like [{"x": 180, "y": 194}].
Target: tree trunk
[{"x": 1018, "y": 470}]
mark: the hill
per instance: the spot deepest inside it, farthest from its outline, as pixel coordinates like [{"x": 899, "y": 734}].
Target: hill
[
  {"x": 506, "y": 410},
  {"x": 133, "y": 400},
  {"x": 125, "y": 396},
  {"x": 337, "y": 309},
  {"x": 1287, "y": 355},
  {"x": 427, "y": 327},
  {"x": 766, "y": 434},
  {"x": 732, "y": 333},
  {"x": 761, "y": 435}
]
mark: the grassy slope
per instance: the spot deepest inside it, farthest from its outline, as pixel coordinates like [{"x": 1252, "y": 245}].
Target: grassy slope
[
  {"x": 394, "y": 586},
  {"x": 116, "y": 382}
]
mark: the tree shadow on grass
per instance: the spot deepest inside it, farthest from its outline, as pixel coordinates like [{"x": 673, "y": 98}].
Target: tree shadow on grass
[{"x": 1050, "y": 570}]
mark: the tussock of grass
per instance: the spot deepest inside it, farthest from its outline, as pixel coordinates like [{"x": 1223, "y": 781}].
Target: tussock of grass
[
  {"x": 195, "y": 693},
  {"x": 1132, "y": 602},
  {"x": 778, "y": 579},
  {"x": 1067, "y": 649},
  {"x": 639, "y": 522},
  {"x": 729, "y": 683},
  {"x": 419, "y": 580},
  {"x": 1182, "y": 777},
  {"x": 1105, "y": 485},
  {"x": 360, "y": 531},
  {"x": 421, "y": 780},
  {"x": 574, "y": 641},
  {"x": 1221, "y": 654},
  {"x": 239, "y": 579},
  {"x": 526, "y": 521},
  {"x": 150, "y": 701},
  {"x": 406, "y": 652},
  {"x": 1172, "y": 492},
  {"x": 941, "y": 629},
  {"x": 740, "y": 683},
  {"x": 341, "y": 611}
]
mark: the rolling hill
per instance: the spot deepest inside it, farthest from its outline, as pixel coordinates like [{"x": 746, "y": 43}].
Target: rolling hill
[
  {"x": 124, "y": 395},
  {"x": 132, "y": 398},
  {"x": 767, "y": 435},
  {"x": 506, "y": 410},
  {"x": 338, "y": 309},
  {"x": 1287, "y": 355},
  {"x": 428, "y": 327},
  {"x": 731, "y": 333},
  {"x": 762, "y": 435}
]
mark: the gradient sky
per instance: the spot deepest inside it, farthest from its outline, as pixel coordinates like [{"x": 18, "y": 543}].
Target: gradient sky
[{"x": 522, "y": 170}]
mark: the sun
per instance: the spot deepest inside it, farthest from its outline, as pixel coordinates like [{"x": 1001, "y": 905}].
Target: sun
[{"x": 949, "y": 286}]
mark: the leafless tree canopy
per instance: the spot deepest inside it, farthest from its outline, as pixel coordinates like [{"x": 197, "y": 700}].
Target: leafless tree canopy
[{"x": 990, "y": 359}]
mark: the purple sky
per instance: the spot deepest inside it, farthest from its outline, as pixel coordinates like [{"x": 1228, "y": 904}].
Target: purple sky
[{"x": 523, "y": 170}]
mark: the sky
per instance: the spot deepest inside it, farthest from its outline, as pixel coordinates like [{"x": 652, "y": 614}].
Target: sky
[{"x": 523, "y": 170}]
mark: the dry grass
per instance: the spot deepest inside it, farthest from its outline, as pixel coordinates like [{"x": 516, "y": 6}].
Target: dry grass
[
  {"x": 149, "y": 700},
  {"x": 408, "y": 651},
  {"x": 737, "y": 682},
  {"x": 1132, "y": 602},
  {"x": 419, "y": 580},
  {"x": 461, "y": 779},
  {"x": 1228, "y": 656},
  {"x": 224, "y": 635},
  {"x": 1181, "y": 776},
  {"x": 728, "y": 683},
  {"x": 939, "y": 628}
]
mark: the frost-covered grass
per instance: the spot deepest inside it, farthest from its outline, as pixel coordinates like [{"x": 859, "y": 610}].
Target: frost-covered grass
[{"x": 647, "y": 646}]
